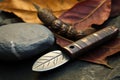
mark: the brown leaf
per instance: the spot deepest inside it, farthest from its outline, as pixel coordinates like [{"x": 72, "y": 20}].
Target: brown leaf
[
  {"x": 21, "y": 8},
  {"x": 101, "y": 53},
  {"x": 25, "y": 9},
  {"x": 85, "y": 14},
  {"x": 115, "y": 8}
]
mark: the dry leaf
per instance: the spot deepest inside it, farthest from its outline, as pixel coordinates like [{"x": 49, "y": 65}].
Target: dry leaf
[
  {"x": 25, "y": 9},
  {"x": 86, "y": 13},
  {"x": 100, "y": 54},
  {"x": 21, "y": 9}
]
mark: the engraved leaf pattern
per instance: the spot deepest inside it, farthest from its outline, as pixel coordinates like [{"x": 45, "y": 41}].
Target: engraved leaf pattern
[{"x": 50, "y": 60}]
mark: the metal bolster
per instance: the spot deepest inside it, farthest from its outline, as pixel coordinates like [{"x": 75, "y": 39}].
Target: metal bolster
[
  {"x": 74, "y": 45},
  {"x": 68, "y": 49}
]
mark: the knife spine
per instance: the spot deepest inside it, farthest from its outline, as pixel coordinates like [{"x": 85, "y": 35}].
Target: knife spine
[{"x": 81, "y": 46}]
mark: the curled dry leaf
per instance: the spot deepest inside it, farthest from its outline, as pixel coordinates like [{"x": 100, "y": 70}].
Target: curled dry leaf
[
  {"x": 25, "y": 9},
  {"x": 21, "y": 9},
  {"x": 100, "y": 54},
  {"x": 84, "y": 14}
]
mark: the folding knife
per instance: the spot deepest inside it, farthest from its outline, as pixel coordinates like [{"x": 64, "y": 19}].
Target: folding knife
[{"x": 57, "y": 58}]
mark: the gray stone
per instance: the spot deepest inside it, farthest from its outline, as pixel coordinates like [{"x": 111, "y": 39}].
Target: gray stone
[{"x": 23, "y": 40}]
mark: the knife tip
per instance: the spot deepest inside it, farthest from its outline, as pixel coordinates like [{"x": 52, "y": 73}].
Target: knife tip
[{"x": 35, "y": 69}]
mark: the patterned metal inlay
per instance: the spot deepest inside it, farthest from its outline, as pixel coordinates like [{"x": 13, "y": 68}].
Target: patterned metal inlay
[{"x": 96, "y": 36}]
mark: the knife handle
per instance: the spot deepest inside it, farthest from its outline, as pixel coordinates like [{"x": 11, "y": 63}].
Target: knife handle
[{"x": 91, "y": 41}]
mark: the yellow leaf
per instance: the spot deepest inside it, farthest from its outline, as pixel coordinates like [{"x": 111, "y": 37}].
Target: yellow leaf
[{"x": 26, "y": 11}]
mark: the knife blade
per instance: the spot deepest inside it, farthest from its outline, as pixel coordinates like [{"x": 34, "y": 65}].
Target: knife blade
[
  {"x": 50, "y": 61},
  {"x": 57, "y": 58}
]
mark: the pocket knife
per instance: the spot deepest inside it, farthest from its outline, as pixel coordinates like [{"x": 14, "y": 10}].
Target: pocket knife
[{"x": 57, "y": 58}]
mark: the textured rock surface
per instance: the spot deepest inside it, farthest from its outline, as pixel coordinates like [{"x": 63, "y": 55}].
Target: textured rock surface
[
  {"x": 23, "y": 40},
  {"x": 80, "y": 70}
]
